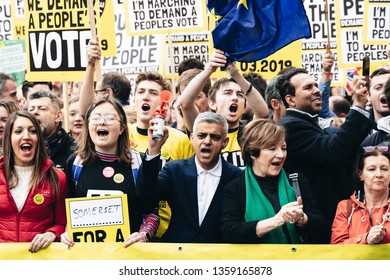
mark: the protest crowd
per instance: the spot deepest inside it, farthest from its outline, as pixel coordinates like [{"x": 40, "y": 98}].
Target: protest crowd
[{"x": 240, "y": 159}]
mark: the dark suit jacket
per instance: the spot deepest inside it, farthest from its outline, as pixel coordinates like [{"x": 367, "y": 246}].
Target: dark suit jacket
[
  {"x": 236, "y": 230},
  {"x": 326, "y": 160},
  {"x": 177, "y": 184}
]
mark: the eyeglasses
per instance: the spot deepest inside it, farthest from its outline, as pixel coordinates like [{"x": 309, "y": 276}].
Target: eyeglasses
[
  {"x": 109, "y": 119},
  {"x": 379, "y": 148},
  {"x": 97, "y": 91}
]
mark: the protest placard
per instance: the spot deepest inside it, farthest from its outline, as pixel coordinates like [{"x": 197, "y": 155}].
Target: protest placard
[
  {"x": 185, "y": 45},
  {"x": 153, "y": 16},
  {"x": 376, "y": 22},
  {"x": 135, "y": 54},
  {"x": 5, "y": 20},
  {"x": 349, "y": 24},
  {"x": 98, "y": 219},
  {"x": 13, "y": 59},
  {"x": 18, "y": 19},
  {"x": 290, "y": 55},
  {"x": 322, "y": 21},
  {"x": 57, "y": 36}
]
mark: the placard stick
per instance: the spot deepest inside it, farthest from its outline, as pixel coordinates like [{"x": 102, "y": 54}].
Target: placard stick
[
  {"x": 65, "y": 110},
  {"x": 93, "y": 34},
  {"x": 171, "y": 62},
  {"x": 327, "y": 26}
]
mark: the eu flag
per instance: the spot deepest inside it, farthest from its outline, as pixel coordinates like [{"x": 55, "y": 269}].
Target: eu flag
[{"x": 250, "y": 30}]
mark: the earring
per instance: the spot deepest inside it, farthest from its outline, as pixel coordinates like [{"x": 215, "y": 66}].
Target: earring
[{"x": 253, "y": 158}]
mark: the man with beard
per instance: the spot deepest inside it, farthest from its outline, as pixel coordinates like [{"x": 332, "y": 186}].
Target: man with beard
[
  {"x": 228, "y": 97},
  {"x": 325, "y": 159},
  {"x": 47, "y": 108}
]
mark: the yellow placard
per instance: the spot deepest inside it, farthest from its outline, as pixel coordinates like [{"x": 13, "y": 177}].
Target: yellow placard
[
  {"x": 98, "y": 219},
  {"x": 18, "y": 19},
  {"x": 352, "y": 50},
  {"x": 376, "y": 22},
  {"x": 57, "y": 34},
  {"x": 290, "y": 55}
]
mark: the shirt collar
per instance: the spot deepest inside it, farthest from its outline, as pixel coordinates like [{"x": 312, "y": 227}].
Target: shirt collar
[
  {"x": 304, "y": 113},
  {"x": 215, "y": 171},
  {"x": 313, "y": 117}
]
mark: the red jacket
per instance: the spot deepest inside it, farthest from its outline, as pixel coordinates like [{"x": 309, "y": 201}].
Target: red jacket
[
  {"x": 360, "y": 223},
  {"x": 42, "y": 212}
]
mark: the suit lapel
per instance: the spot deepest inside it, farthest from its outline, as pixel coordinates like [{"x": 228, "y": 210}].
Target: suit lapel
[{"x": 191, "y": 185}]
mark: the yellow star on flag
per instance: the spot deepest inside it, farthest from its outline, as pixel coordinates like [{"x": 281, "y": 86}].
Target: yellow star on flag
[{"x": 243, "y": 2}]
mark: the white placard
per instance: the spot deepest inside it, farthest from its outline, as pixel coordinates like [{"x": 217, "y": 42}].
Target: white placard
[{"x": 104, "y": 211}]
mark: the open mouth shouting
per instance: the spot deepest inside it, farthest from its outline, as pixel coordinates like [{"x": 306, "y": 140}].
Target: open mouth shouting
[
  {"x": 26, "y": 149},
  {"x": 233, "y": 108},
  {"x": 102, "y": 133},
  {"x": 205, "y": 152},
  {"x": 277, "y": 164},
  {"x": 145, "y": 107},
  {"x": 383, "y": 100}
]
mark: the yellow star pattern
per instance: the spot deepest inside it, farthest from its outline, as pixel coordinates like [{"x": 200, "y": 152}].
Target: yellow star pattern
[{"x": 243, "y": 2}]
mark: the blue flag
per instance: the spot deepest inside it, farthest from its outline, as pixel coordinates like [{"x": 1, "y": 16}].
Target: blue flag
[{"x": 250, "y": 30}]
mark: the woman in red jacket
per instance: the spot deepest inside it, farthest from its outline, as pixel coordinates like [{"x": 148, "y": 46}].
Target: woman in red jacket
[
  {"x": 364, "y": 218},
  {"x": 32, "y": 191}
]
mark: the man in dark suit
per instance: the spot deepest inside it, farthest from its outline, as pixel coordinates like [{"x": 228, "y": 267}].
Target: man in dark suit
[
  {"x": 325, "y": 159},
  {"x": 194, "y": 187}
]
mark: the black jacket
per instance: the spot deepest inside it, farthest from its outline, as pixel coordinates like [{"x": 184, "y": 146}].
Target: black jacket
[
  {"x": 177, "y": 184},
  {"x": 236, "y": 230},
  {"x": 326, "y": 160},
  {"x": 61, "y": 149}
]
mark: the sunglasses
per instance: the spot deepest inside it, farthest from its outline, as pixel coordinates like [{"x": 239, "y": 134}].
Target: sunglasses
[{"x": 379, "y": 148}]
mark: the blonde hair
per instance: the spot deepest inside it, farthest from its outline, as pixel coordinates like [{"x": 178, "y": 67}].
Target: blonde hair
[{"x": 260, "y": 134}]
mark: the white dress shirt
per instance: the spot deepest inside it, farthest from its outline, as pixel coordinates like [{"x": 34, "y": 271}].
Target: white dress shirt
[{"x": 207, "y": 183}]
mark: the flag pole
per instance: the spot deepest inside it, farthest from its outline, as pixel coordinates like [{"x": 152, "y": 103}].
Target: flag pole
[
  {"x": 171, "y": 63},
  {"x": 93, "y": 35},
  {"x": 66, "y": 105},
  {"x": 228, "y": 75},
  {"x": 327, "y": 26}
]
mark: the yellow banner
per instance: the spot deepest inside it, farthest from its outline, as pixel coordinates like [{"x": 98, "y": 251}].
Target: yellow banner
[{"x": 173, "y": 251}]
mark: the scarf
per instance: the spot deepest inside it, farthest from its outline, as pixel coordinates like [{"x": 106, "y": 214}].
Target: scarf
[
  {"x": 53, "y": 139},
  {"x": 258, "y": 206}
]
